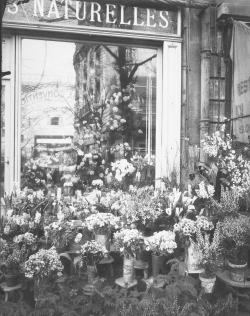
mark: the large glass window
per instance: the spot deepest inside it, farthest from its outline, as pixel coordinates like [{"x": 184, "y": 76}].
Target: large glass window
[{"x": 85, "y": 106}]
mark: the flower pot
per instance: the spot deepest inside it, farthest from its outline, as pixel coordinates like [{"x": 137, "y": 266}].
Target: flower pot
[
  {"x": 128, "y": 269},
  {"x": 91, "y": 273},
  {"x": 157, "y": 263},
  {"x": 45, "y": 243},
  {"x": 237, "y": 271},
  {"x": 104, "y": 240},
  {"x": 11, "y": 278},
  {"x": 61, "y": 249},
  {"x": 191, "y": 256},
  {"x": 207, "y": 284}
]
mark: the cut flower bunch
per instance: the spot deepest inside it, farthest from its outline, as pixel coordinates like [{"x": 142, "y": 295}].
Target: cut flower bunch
[
  {"x": 102, "y": 223},
  {"x": 162, "y": 243}
]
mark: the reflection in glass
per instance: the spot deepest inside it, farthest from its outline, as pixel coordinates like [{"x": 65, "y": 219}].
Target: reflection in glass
[{"x": 84, "y": 109}]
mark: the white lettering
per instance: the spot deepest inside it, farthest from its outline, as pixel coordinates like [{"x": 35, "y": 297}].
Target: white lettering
[
  {"x": 93, "y": 12},
  {"x": 122, "y": 16},
  {"x": 149, "y": 17},
  {"x": 108, "y": 13},
  {"x": 78, "y": 11},
  {"x": 164, "y": 19},
  {"x": 40, "y": 5},
  {"x": 53, "y": 5},
  {"x": 13, "y": 12},
  {"x": 136, "y": 16},
  {"x": 67, "y": 2}
]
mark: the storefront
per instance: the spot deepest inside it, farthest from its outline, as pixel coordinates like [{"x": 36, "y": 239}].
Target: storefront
[{"x": 97, "y": 74}]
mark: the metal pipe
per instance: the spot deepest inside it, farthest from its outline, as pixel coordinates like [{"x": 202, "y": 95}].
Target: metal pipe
[{"x": 205, "y": 78}]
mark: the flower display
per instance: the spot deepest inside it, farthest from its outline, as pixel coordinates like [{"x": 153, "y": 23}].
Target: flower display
[
  {"x": 161, "y": 243},
  {"x": 43, "y": 264},
  {"x": 101, "y": 223},
  {"x": 92, "y": 252},
  {"x": 128, "y": 242}
]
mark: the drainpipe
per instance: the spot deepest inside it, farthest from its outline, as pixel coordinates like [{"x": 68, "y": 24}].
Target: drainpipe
[
  {"x": 205, "y": 78},
  {"x": 184, "y": 93}
]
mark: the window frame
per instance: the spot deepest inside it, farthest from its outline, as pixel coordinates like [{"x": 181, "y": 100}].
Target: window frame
[{"x": 168, "y": 95}]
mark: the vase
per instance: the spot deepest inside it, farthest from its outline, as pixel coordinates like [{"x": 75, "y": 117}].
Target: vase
[
  {"x": 91, "y": 273},
  {"x": 237, "y": 271},
  {"x": 45, "y": 243},
  {"x": 191, "y": 256},
  {"x": 157, "y": 265},
  {"x": 128, "y": 269},
  {"x": 207, "y": 284},
  {"x": 11, "y": 278},
  {"x": 104, "y": 240}
]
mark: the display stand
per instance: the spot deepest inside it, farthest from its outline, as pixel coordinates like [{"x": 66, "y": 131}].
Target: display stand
[
  {"x": 224, "y": 277},
  {"x": 8, "y": 289},
  {"x": 150, "y": 282},
  {"x": 109, "y": 264},
  {"x": 121, "y": 283},
  {"x": 145, "y": 270}
]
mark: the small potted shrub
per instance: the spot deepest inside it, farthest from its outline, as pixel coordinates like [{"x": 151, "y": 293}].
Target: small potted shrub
[
  {"x": 234, "y": 240},
  {"x": 161, "y": 244},
  {"x": 207, "y": 256},
  {"x": 92, "y": 252}
]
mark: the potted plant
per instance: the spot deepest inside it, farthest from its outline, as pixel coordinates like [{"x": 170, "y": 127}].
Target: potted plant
[
  {"x": 92, "y": 252},
  {"x": 10, "y": 262},
  {"x": 187, "y": 229},
  {"x": 234, "y": 240},
  {"x": 101, "y": 224},
  {"x": 128, "y": 242},
  {"x": 161, "y": 244},
  {"x": 61, "y": 234},
  {"x": 42, "y": 267},
  {"x": 207, "y": 255},
  {"x": 27, "y": 244}
]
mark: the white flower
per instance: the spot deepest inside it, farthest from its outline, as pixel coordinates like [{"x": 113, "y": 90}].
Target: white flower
[{"x": 78, "y": 238}]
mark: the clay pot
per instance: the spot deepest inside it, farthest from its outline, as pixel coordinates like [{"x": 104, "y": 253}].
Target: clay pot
[
  {"x": 11, "y": 278},
  {"x": 207, "y": 284},
  {"x": 237, "y": 271}
]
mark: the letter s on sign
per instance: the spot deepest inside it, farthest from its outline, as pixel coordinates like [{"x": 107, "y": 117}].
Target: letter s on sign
[
  {"x": 164, "y": 19},
  {"x": 13, "y": 12}
]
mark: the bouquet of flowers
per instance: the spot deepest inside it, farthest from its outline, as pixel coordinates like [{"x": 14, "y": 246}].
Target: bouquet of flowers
[
  {"x": 188, "y": 228},
  {"x": 122, "y": 168},
  {"x": 43, "y": 264},
  {"x": 61, "y": 233},
  {"x": 161, "y": 243},
  {"x": 229, "y": 202},
  {"x": 92, "y": 252},
  {"x": 205, "y": 194},
  {"x": 129, "y": 242},
  {"x": 102, "y": 223},
  {"x": 207, "y": 252}
]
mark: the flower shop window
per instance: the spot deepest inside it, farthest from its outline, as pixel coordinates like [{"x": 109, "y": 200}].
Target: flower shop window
[{"x": 100, "y": 102}]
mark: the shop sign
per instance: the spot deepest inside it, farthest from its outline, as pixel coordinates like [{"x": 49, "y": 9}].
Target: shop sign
[
  {"x": 95, "y": 14},
  {"x": 240, "y": 54}
]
